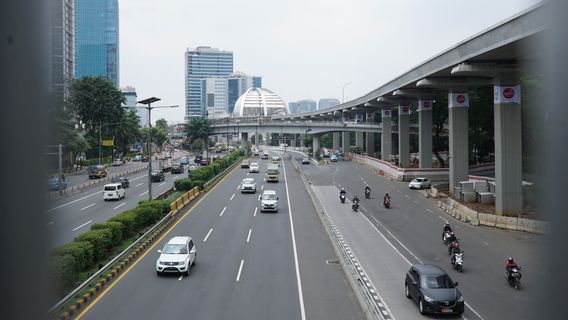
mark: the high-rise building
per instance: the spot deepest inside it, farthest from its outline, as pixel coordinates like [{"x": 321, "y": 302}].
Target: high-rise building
[
  {"x": 307, "y": 105},
  {"x": 216, "y": 96},
  {"x": 239, "y": 83},
  {"x": 131, "y": 101},
  {"x": 96, "y": 39},
  {"x": 201, "y": 63},
  {"x": 62, "y": 45},
  {"x": 293, "y": 106},
  {"x": 327, "y": 102}
]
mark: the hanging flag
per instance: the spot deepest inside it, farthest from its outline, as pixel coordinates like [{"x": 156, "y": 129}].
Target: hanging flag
[
  {"x": 458, "y": 99},
  {"x": 507, "y": 94},
  {"x": 424, "y": 105}
]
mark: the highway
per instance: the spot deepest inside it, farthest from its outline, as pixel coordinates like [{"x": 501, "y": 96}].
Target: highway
[
  {"x": 413, "y": 226},
  {"x": 249, "y": 265},
  {"x": 70, "y": 216}
]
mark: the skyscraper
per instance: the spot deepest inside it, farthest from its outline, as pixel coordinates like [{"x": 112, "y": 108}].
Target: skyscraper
[
  {"x": 307, "y": 105},
  {"x": 62, "y": 45},
  {"x": 215, "y": 96},
  {"x": 293, "y": 107},
  {"x": 131, "y": 101},
  {"x": 96, "y": 39},
  {"x": 201, "y": 63},
  {"x": 326, "y": 103},
  {"x": 239, "y": 83}
]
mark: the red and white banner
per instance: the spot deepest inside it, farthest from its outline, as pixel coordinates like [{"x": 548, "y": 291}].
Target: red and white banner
[
  {"x": 458, "y": 99},
  {"x": 507, "y": 94},
  {"x": 403, "y": 110},
  {"x": 424, "y": 105},
  {"x": 386, "y": 113}
]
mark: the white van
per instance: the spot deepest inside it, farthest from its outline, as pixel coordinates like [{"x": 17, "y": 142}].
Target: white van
[{"x": 113, "y": 191}]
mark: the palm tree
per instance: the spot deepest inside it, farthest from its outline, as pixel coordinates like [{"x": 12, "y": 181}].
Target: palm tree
[{"x": 197, "y": 129}]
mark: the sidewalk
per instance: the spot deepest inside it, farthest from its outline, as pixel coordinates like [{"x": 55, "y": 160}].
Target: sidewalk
[{"x": 383, "y": 264}]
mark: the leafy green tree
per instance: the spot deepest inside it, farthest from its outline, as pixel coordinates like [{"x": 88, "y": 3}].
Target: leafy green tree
[
  {"x": 162, "y": 124},
  {"x": 127, "y": 132},
  {"x": 197, "y": 145},
  {"x": 439, "y": 119},
  {"x": 481, "y": 124},
  {"x": 326, "y": 141},
  {"x": 159, "y": 136},
  {"x": 197, "y": 129}
]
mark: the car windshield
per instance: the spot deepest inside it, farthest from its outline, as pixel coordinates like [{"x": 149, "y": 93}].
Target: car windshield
[
  {"x": 175, "y": 249},
  {"x": 269, "y": 196},
  {"x": 418, "y": 180},
  {"x": 248, "y": 181},
  {"x": 254, "y": 164},
  {"x": 437, "y": 282},
  {"x": 110, "y": 188}
]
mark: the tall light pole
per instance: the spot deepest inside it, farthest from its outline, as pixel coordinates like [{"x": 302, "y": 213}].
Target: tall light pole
[
  {"x": 343, "y": 91},
  {"x": 148, "y": 106}
]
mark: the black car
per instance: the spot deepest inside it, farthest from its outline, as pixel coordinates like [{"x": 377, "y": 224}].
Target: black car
[
  {"x": 177, "y": 168},
  {"x": 433, "y": 290},
  {"x": 158, "y": 176},
  {"x": 122, "y": 180}
]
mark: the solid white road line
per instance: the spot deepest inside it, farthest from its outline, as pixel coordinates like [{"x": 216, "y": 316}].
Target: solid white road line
[
  {"x": 240, "y": 269},
  {"x": 87, "y": 207},
  {"x": 232, "y": 197},
  {"x": 180, "y": 277},
  {"x": 238, "y": 187},
  {"x": 363, "y": 209},
  {"x": 143, "y": 193},
  {"x": 161, "y": 184},
  {"x": 407, "y": 197},
  {"x": 207, "y": 236},
  {"x": 429, "y": 210},
  {"x": 50, "y": 223},
  {"x": 68, "y": 203},
  {"x": 141, "y": 183},
  {"x": 299, "y": 279},
  {"x": 262, "y": 187},
  {"x": 255, "y": 210},
  {"x": 248, "y": 237},
  {"x": 223, "y": 212},
  {"x": 119, "y": 206},
  {"x": 84, "y": 224}
]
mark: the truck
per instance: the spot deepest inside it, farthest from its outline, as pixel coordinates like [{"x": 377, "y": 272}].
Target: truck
[{"x": 272, "y": 172}]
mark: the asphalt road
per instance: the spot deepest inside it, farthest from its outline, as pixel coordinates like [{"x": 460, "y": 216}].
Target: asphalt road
[
  {"x": 70, "y": 216},
  {"x": 75, "y": 180},
  {"x": 250, "y": 265},
  {"x": 413, "y": 225}
]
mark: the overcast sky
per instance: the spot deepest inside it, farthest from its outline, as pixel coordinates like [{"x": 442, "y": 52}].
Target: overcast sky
[{"x": 301, "y": 48}]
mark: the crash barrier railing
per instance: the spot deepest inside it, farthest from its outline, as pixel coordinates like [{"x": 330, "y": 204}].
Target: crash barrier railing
[
  {"x": 184, "y": 200},
  {"x": 90, "y": 184},
  {"x": 372, "y": 305}
]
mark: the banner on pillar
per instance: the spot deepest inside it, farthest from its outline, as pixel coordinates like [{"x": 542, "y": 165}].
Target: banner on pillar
[
  {"x": 386, "y": 113},
  {"x": 403, "y": 110},
  {"x": 507, "y": 94},
  {"x": 458, "y": 99},
  {"x": 424, "y": 105}
]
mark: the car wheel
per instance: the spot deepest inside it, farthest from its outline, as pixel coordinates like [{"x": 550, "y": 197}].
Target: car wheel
[
  {"x": 406, "y": 290},
  {"x": 158, "y": 273},
  {"x": 421, "y": 306}
]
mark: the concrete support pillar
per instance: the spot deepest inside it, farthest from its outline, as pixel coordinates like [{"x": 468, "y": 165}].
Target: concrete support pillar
[
  {"x": 267, "y": 138},
  {"x": 370, "y": 147},
  {"x": 293, "y": 141},
  {"x": 302, "y": 137},
  {"x": 386, "y": 136},
  {"x": 403, "y": 136},
  {"x": 459, "y": 136},
  {"x": 244, "y": 141},
  {"x": 336, "y": 139},
  {"x": 359, "y": 140},
  {"x": 316, "y": 144},
  {"x": 508, "y": 148},
  {"x": 346, "y": 143},
  {"x": 425, "y": 133}
]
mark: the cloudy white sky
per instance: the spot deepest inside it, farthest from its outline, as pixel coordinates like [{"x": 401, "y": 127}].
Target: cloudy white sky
[{"x": 301, "y": 48}]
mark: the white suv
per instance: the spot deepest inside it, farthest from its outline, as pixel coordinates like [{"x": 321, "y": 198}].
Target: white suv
[
  {"x": 269, "y": 201},
  {"x": 177, "y": 256},
  {"x": 113, "y": 191}
]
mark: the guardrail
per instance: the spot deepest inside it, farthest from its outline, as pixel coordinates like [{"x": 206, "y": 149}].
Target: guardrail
[
  {"x": 90, "y": 184},
  {"x": 367, "y": 295},
  {"x": 184, "y": 200}
]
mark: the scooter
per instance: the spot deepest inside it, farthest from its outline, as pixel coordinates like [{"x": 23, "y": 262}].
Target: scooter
[
  {"x": 342, "y": 197},
  {"x": 368, "y": 194},
  {"x": 387, "y": 203},
  {"x": 355, "y": 206},
  {"x": 514, "y": 278},
  {"x": 457, "y": 261},
  {"x": 445, "y": 238}
]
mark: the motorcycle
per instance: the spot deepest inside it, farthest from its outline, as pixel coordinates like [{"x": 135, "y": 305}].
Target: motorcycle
[
  {"x": 342, "y": 197},
  {"x": 387, "y": 203},
  {"x": 454, "y": 244},
  {"x": 368, "y": 194},
  {"x": 445, "y": 238},
  {"x": 457, "y": 261},
  {"x": 355, "y": 206},
  {"x": 514, "y": 277}
]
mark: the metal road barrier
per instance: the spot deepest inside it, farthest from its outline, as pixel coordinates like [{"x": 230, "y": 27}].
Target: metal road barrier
[
  {"x": 373, "y": 306},
  {"x": 184, "y": 200}
]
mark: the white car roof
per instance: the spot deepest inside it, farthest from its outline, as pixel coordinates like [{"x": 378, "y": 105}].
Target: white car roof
[
  {"x": 179, "y": 240},
  {"x": 248, "y": 180},
  {"x": 113, "y": 184},
  {"x": 269, "y": 192},
  {"x": 254, "y": 164}
]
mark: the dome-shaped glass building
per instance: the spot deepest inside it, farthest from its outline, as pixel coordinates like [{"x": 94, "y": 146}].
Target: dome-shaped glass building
[{"x": 260, "y": 102}]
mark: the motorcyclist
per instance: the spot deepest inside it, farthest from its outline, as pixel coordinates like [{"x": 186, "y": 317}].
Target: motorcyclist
[
  {"x": 342, "y": 192},
  {"x": 447, "y": 228},
  {"x": 355, "y": 199},
  {"x": 453, "y": 251},
  {"x": 509, "y": 266},
  {"x": 451, "y": 240},
  {"x": 367, "y": 189}
]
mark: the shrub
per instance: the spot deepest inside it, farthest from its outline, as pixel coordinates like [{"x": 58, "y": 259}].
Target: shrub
[
  {"x": 162, "y": 205},
  {"x": 81, "y": 251},
  {"x": 146, "y": 215},
  {"x": 128, "y": 221},
  {"x": 183, "y": 184},
  {"x": 115, "y": 227},
  {"x": 101, "y": 240},
  {"x": 63, "y": 271}
]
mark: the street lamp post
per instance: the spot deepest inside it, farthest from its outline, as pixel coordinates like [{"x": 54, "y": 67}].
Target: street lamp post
[
  {"x": 343, "y": 92},
  {"x": 148, "y": 106}
]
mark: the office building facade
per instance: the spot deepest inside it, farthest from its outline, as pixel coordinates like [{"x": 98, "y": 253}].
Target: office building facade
[
  {"x": 238, "y": 84},
  {"x": 97, "y": 39},
  {"x": 202, "y": 63},
  {"x": 131, "y": 101},
  {"x": 215, "y": 97},
  {"x": 327, "y": 102},
  {"x": 62, "y": 46}
]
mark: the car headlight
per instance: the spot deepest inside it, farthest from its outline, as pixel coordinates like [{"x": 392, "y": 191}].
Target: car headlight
[{"x": 428, "y": 299}]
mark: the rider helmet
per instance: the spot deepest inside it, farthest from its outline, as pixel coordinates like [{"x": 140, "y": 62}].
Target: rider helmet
[{"x": 510, "y": 259}]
